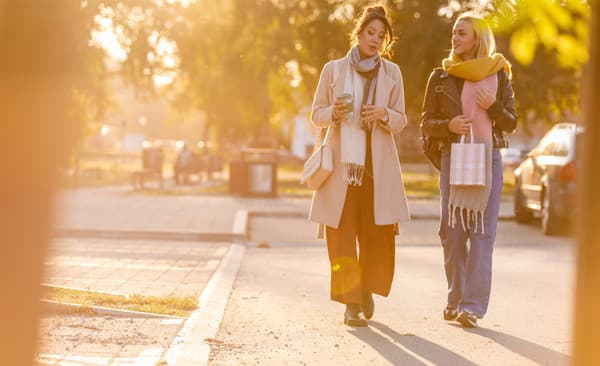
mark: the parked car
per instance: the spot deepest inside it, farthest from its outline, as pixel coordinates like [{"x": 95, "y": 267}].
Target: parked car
[
  {"x": 545, "y": 182},
  {"x": 511, "y": 158}
]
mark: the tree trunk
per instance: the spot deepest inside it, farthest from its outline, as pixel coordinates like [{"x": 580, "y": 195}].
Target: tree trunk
[
  {"x": 587, "y": 308},
  {"x": 39, "y": 60}
]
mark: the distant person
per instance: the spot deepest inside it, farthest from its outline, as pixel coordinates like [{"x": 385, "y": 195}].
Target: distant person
[
  {"x": 472, "y": 90},
  {"x": 184, "y": 165},
  {"x": 212, "y": 164},
  {"x": 364, "y": 196}
]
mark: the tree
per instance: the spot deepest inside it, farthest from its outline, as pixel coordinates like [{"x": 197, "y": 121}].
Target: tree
[
  {"x": 545, "y": 38},
  {"x": 250, "y": 66}
]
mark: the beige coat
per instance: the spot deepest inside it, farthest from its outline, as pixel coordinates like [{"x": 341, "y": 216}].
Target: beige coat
[{"x": 389, "y": 196}]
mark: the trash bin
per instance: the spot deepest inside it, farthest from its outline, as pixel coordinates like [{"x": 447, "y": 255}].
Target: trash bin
[
  {"x": 255, "y": 174},
  {"x": 237, "y": 177}
]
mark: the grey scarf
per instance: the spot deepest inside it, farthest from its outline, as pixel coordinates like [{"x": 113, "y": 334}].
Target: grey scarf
[
  {"x": 353, "y": 147},
  {"x": 367, "y": 68}
]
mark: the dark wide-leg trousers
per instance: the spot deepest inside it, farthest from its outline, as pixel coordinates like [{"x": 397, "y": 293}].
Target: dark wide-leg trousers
[{"x": 372, "y": 268}]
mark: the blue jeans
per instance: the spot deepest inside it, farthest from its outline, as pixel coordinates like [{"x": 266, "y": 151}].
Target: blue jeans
[{"x": 469, "y": 267}]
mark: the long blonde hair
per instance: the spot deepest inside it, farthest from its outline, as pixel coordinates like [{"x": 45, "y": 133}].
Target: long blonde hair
[{"x": 484, "y": 37}]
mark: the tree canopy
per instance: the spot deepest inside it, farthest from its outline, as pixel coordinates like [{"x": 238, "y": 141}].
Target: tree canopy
[{"x": 251, "y": 65}]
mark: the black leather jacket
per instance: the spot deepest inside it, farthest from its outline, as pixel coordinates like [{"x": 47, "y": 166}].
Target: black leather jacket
[{"x": 442, "y": 103}]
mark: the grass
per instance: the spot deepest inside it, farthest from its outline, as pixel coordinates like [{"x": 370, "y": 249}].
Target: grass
[
  {"x": 94, "y": 180},
  {"x": 420, "y": 185},
  {"x": 104, "y": 170},
  {"x": 165, "y": 305},
  {"x": 417, "y": 184}
]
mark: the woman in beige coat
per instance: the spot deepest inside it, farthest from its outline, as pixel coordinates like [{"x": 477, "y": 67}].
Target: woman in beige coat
[{"x": 364, "y": 196}]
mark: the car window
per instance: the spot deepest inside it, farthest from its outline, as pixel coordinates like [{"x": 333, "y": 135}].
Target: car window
[
  {"x": 562, "y": 147},
  {"x": 547, "y": 146},
  {"x": 541, "y": 146}
]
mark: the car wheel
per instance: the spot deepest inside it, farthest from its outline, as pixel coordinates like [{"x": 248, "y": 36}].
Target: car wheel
[
  {"x": 551, "y": 223},
  {"x": 522, "y": 214}
]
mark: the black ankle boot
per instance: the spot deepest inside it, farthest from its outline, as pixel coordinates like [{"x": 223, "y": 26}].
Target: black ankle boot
[{"x": 354, "y": 316}]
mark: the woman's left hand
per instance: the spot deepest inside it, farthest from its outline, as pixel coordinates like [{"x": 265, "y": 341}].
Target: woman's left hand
[
  {"x": 485, "y": 99},
  {"x": 372, "y": 113}
]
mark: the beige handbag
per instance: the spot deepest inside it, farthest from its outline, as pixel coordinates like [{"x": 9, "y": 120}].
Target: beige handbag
[
  {"x": 319, "y": 165},
  {"x": 467, "y": 163}
]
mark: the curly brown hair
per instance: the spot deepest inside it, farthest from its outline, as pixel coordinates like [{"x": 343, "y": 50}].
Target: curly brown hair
[{"x": 369, "y": 14}]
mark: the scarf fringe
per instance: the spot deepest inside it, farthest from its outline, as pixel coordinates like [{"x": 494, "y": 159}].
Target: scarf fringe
[
  {"x": 471, "y": 215},
  {"x": 353, "y": 174}
]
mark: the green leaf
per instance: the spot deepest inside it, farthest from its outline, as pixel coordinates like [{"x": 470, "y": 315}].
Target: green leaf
[
  {"x": 561, "y": 16},
  {"x": 547, "y": 31},
  {"x": 523, "y": 44},
  {"x": 571, "y": 53}
]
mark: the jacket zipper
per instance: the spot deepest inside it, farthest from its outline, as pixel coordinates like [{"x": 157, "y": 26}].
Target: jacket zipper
[{"x": 451, "y": 98}]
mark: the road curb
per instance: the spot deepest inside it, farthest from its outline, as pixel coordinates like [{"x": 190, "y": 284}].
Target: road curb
[
  {"x": 191, "y": 346},
  {"x": 240, "y": 225},
  {"x": 149, "y": 235}
]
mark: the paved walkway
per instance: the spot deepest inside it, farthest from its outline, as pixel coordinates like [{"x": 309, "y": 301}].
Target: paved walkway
[
  {"x": 118, "y": 208},
  {"x": 83, "y": 340},
  {"x": 154, "y": 268}
]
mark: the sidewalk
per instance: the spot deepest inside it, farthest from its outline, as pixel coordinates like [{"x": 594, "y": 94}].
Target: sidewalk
[
  {"x": 126, "y": 267},
  {"x": 118, "y": 209},
  {"x": 98, "y": 247},
  {"x": 151, "y": 268}
]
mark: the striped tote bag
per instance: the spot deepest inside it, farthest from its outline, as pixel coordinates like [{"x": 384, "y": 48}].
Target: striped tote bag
[{"x": 467, "y": 163}]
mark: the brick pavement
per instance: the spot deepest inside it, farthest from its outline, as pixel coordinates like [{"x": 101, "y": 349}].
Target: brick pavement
[{"x": 154, "y": 268}]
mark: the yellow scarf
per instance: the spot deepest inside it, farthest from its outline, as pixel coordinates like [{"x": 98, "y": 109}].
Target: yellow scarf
[{"x": 477, "y": 68}]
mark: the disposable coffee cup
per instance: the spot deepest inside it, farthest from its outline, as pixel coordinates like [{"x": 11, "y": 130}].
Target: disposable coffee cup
[{"x": 349, "y": 101}]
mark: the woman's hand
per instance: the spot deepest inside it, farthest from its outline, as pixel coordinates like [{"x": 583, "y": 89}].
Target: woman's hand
[
  {"x": 371, "y": 114},
  {"x": 459, "y": 125},
  {"x": 485, "y": 99},
  {"x": 339, "y": 111}
]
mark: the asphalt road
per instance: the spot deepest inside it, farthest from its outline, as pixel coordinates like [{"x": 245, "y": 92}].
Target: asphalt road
[{"x": 279, "y": 311}]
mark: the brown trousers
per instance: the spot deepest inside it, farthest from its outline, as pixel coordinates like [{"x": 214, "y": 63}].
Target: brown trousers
[{"x": 373, "y": 269}]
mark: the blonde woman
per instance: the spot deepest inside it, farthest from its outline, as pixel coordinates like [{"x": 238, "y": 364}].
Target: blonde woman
[
  {"x": 364, "y": 197},
  {"x": 472, "y": 91}
]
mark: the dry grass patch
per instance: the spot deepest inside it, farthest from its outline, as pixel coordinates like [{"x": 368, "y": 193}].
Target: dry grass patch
[{"x": 165, "y": 305}]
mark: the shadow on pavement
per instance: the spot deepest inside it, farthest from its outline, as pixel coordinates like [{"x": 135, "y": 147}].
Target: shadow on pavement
[
  {"x": 409, "y": 346},
  {"x": 536, "y": 353}
]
